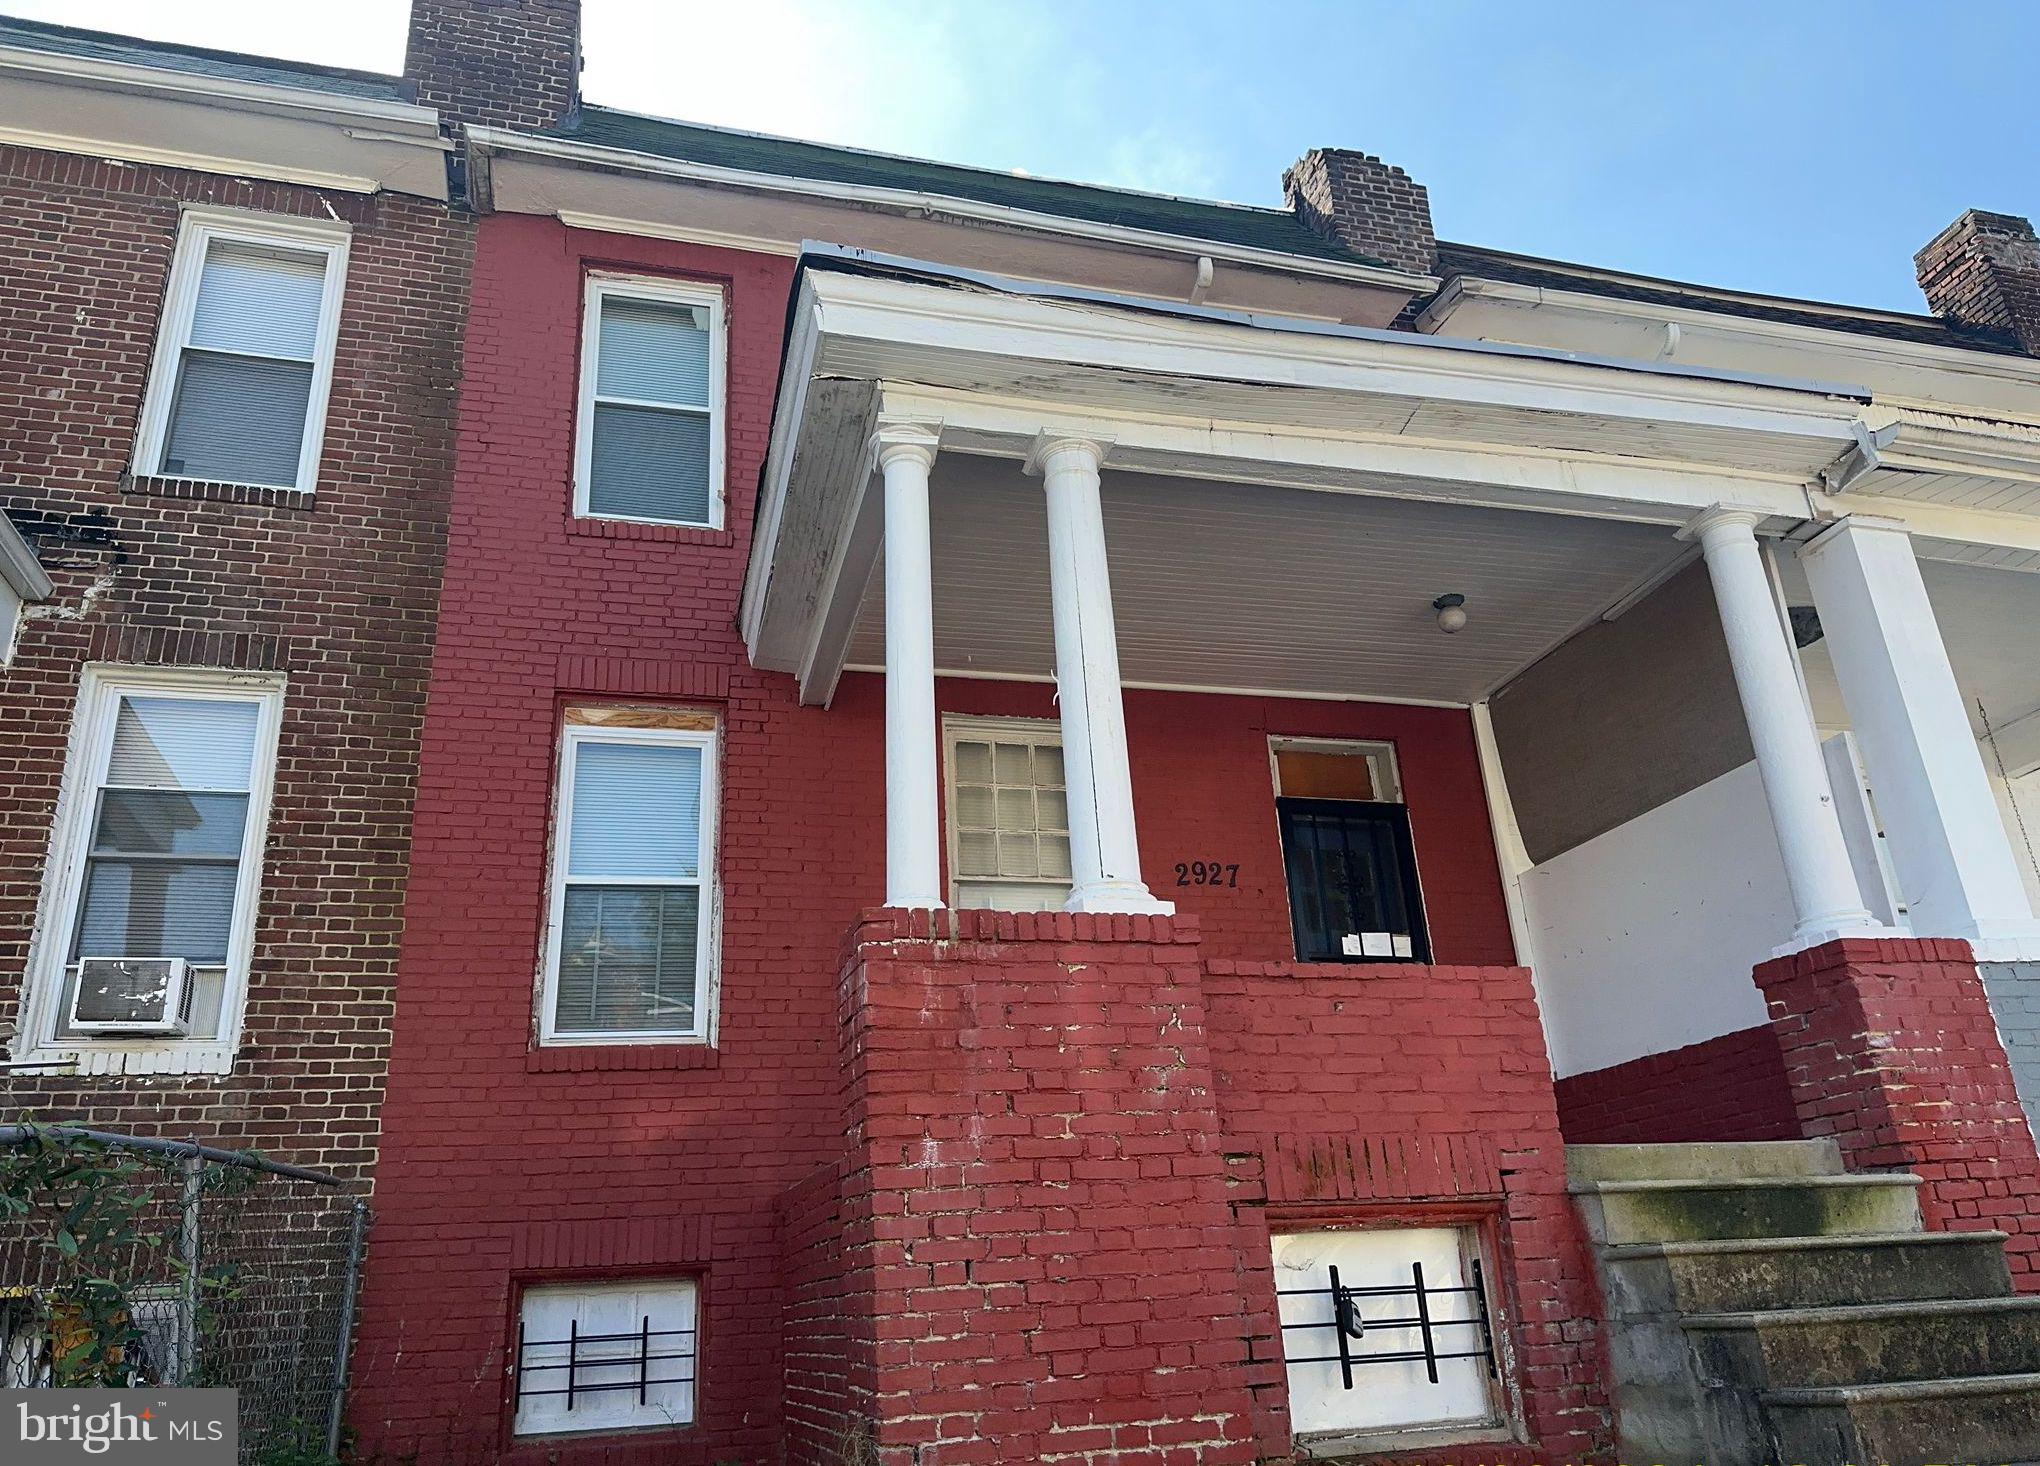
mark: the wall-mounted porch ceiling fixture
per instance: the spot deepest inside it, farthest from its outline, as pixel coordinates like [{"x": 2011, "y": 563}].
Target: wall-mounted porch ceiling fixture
[{"x": 1257, "y": 403}]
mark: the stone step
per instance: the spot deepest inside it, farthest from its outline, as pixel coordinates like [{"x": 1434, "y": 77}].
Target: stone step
[
  {"x": 1710, "y": 1161},
  {"x": 1619, "y": 1212},
  {"x": 1993, "y": 1417},
  {"x": 1743, "y": 1274},
  {"x": 1873, "y": 1344}
]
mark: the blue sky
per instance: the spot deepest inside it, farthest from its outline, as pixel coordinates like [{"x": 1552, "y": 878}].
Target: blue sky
[{"x": 1803, "y": 147}]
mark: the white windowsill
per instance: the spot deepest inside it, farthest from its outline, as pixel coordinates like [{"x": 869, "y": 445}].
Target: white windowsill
[{"x": 135, "y": 1056}]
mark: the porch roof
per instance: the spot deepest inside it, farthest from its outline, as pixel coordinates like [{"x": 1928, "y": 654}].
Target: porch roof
[{"x": 1257, "y": 405}]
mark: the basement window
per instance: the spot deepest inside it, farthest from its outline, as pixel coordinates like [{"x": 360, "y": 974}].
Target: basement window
[
  {"x": 649, "y": 446},
  {"x": 606, "y": 1356},
  {"x": 1389, "y": 1334},
  {"x": 1347, "y": 853},
  {"x": 244, "y": 360},
  {"x": 1009, "y": 817}
]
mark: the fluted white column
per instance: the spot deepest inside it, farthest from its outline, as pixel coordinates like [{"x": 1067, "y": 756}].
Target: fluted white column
[
  {"x": 1825, "y": 898},
  {"x": 1104, "y": 848},
  {"x": 1955, "y": 864},
  {"x": 913, "y": 840}
]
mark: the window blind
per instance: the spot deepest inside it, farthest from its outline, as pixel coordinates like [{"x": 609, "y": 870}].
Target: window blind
[
  {"x": 244, "y": 375},
  {"x": 652, "y": 446}
]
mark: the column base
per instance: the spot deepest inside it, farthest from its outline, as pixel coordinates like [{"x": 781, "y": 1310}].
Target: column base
[
  {"x": 1819, "y": 934},
  {"x": 2002, "y": 941},
  {"x": 1127, "y": 897}
]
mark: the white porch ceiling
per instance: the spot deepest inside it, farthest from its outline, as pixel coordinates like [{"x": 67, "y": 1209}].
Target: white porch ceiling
[{"x": 1280, "y": 590}]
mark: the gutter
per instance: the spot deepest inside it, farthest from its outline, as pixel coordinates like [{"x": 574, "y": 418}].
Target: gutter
[
  {"x": 845, "y": 259},
  {"x": 19, "y": 566},
  {"x": 250, "y": 95},
  {"x": 493, "y": 140}
]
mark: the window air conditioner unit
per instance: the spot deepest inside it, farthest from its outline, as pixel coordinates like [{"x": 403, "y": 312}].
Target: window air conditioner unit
[{"x": 130, "y": 995}]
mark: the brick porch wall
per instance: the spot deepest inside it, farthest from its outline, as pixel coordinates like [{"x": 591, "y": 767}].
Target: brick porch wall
[{"x": 1727, "y": 1088}]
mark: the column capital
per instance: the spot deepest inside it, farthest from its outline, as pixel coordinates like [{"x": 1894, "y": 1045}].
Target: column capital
[
  {"x": 1853, "y": 524},
  {"x": 1720, "y": 520},
  {"x": 1049, "y": 444},
  {"x": 913, "y": 438}
]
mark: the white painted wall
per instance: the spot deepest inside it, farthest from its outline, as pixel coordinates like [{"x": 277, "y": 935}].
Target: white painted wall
[{"x": 1645, "y": 936}]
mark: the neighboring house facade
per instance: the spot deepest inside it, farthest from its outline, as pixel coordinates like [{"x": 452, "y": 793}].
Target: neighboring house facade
[
  {"x": 1018, "y": 779},
  {"x": 233, "y": 293}
]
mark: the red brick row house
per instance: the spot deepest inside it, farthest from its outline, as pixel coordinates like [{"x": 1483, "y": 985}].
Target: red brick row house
[{"x": 1020, "y": 778}]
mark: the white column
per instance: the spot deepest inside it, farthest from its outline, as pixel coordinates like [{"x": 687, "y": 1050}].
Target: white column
[
  {"x": 1824, "y": 895},
  {"x": 1955, "y": 864},
  {"x": 913, "y": 848},
  {"x": 1104, "y": 853}
]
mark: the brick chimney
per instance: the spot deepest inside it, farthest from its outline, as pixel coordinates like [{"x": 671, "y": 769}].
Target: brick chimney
[
  {"x": 1984, "y": 270},
  {"x": 1364, "y": 204},
  {"x": 496, "y": 63}
]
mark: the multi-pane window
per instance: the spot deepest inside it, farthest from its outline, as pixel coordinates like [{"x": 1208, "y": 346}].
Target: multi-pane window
[
  {"x": 1347, "y": 853},
  {"x": 158, "y": 851},
  {"x": 1009, "y": 818},
  {"x": 630, "y": 946},
  {"x": 244, "y": 363},
  {"x": 605, "y": 1356},
  {"x": 650, "y": 441},
  {"x": 1388, "y": 1331}
]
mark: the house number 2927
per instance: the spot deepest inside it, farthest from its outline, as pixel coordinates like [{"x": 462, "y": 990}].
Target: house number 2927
[{"x": 1207, "y": 873}]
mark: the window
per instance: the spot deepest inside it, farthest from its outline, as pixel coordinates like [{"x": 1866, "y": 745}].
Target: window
[
  {"x": 158, "y": 844},
  {"x": 244, "y": 362},
  {"x": 1009, "y": 818},
  {"x": 631, "y": 937},
  {"x": 605, "y": 1356},
  {"x": 1347, "y": 853},
  {"x": 650, "y": 442},
  {"x": 1387, "y": 1330}
]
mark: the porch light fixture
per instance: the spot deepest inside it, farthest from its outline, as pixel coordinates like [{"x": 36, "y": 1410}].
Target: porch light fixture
[{"x": 1451, "y": 609}]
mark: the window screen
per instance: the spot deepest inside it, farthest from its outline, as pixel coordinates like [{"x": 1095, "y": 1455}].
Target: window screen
[
  {"x": 651, "y": 414},
  {"x": 630, "y": 904},
  {"x": 165, "y": 864},
  {"x": 244, "y": 376},
  {"x": 1010, "y": 820}
]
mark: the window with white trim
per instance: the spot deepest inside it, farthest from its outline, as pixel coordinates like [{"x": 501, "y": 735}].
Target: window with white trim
[
  {"x": 1388, "y": 1332},
  {"x": 157, "y": 856},
  {"x": 606, "y": 1356},
  {"x": 244, "y": 359},
  {"x": 1009, "y": 817},
  {"x": 649, "y": 444},
  {"x": 630, "y": 946}
]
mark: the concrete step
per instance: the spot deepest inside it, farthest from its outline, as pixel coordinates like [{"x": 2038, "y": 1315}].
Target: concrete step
[
  {"x": 1619, "y": 1212},
  {"x": 1873, "y": 1344},
  {"x": 1993, "y": 1417},
  {"x": 1743, "y": 1274},
  {"x": 1713, "y": 1161}
]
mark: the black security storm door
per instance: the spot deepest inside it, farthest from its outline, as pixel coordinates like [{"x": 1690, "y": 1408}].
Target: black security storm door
[{"x": 1352, "y": 881}]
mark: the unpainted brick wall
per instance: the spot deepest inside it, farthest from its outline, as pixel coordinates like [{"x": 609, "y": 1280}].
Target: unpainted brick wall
[
  {"x": 1727, "y": 1088},
  {"x": 337, "y": 590}
]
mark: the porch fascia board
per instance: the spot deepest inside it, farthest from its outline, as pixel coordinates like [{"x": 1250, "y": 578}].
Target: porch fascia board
[{"x": 941, "y": 351}]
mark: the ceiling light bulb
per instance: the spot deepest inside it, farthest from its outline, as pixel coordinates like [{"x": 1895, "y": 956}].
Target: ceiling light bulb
[{"x": 1451, "y": 611}]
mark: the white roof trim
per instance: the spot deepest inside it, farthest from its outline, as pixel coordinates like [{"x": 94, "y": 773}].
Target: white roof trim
[
  {"x": 490, "y": 140},
  {"x": 19, "y": 567}
]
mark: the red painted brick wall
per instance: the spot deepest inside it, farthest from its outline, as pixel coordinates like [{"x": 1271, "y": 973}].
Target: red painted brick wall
[
  {"x": 492, "y": 1148},
  {"x": 1727, "y": 1088},
  {"x": 339, "y": 592},
  {"x": 1378, "y": 1091},
  {"x": 1891, "y": 1048}
]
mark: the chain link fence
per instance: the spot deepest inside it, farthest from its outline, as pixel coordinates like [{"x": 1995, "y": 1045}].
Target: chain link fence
[{"x": 129, "y": 1261}]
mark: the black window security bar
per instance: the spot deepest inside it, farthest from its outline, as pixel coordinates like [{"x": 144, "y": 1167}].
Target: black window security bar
[
  {"x": 645, "y": 1352},
  {"x": 1349, "y": 1328}
]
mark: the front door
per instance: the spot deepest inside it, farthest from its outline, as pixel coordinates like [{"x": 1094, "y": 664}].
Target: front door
[{"x": 1352, "y": 881}]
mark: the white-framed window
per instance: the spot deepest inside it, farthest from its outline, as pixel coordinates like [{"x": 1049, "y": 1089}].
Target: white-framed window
[
  {"x": 606, "y": 1356},
  {"x": 1377, "y": 1270},
  {"x": 157, "y": 854},
  {"x": 648, "y": 444},
  {"x": 1009, "y": 816},
  {"x": 244, "y": 356},
  {"x": 630, "y": 947}
]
